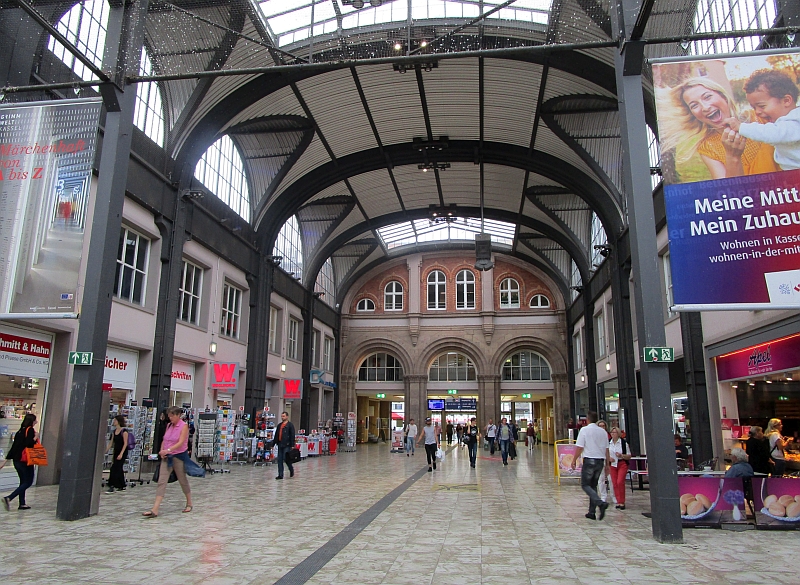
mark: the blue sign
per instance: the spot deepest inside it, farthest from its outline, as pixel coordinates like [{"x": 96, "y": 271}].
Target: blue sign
[
  {"x": 462, "y": 404},
  {"x": 435, "y": 404}
]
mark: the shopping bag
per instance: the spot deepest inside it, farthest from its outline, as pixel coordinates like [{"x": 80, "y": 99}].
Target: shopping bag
[
  {"x": 293, "y": 455},
  {"x": 193, "y": 469},
  {"x": 36, "y": 455},
  {"x": 512, "y": 450},
  {"x": 440, "y": 454}
]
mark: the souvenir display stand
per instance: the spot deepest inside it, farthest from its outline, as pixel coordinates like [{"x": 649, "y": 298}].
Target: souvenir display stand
[
  {"x": 139, "y": 422},
  {"x": 350, "y": 433},
  {"x": 205, "y": 438},
  {"x": 226, "y": 440},
  {"x": 262, "y": 444}
]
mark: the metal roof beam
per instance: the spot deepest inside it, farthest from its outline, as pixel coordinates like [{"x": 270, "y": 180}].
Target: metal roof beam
[{"x": 641, "y": 21}]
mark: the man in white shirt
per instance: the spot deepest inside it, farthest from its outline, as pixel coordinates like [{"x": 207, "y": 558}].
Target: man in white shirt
[
  {"x": 491, "y": 433},
  {"x": 593, "y": 445},
  {"x": 411, "y": 437}
]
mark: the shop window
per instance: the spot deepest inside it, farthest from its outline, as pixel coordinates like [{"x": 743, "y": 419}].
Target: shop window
[
  {"x": 452, "y": 367},
  {"x": 380, "y": 367},
  {"x": 509, "y": 294},
  {"x": 526, "y": 365},
  {"x": 293, "y": 337},
  {"x": 132, "y": 256},
  {"x": 465, "y": 290},
  {"x": 231, "y": 311},
  {"x": 437, "y": 291},
  {"x": 365, "y": 306},
  {"x": 274, "y": 329},
  {"x": 393, "y": 296},
  {"x": 191, "y": 285},
  {"x": 599, "y": 335},
  {"x": 539, "y": 302},
  {"x": 326, "y": 354}
]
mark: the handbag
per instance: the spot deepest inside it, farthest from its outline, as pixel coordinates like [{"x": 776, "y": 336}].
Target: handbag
[
  {"x": 293, "y": 455},
  {"x": 36, "y": 455}
]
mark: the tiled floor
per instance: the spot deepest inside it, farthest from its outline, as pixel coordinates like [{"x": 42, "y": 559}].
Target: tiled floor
[{"x": 495, "y": 525}]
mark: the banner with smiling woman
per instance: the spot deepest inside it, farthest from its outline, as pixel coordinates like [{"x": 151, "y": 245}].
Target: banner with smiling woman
[{"x": 729, "y": 129}]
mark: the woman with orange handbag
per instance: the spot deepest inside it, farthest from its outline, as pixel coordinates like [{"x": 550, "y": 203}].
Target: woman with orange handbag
[{"x": 25, "y": 438}]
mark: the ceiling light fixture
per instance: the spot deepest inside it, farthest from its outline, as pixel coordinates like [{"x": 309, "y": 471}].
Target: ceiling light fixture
[
  {"x": 398, "y": 46},
  {"x": 447, "y": 214},
  {"x": 403, "y": 67},
  {"x": 608, "y": 367},
  {"x": 583, "y": 378},
  {"x": 430, "y": 166}
]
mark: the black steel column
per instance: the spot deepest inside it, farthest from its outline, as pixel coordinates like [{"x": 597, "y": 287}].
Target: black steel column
[
  {"x": 308, "y": 332},
  {"x": 623, "y": 339},
  {"x": 790, "y": 11},
  {"x": 663, "y": 472},
  {"x": 571, "y": 373},
  {"x": 255, "y": 392},
  {"x": 588, "y": 344},
  {"x": 336, "y": 355},
  {"x": 697, "y": 391},
  {"x": 77, "y": 496}
]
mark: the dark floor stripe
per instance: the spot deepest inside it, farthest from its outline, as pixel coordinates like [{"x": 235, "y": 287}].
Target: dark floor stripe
[{"x": 320, "y": 557}]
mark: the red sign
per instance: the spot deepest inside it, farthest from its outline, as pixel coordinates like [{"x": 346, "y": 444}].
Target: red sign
[
  {"x": 773, "y": 356},
  {"x": 292, "y": 389},
  {"x": 24, "y": 345},
  {"x": 107, "y": 387},
  {"x": 224, "y": 376}
]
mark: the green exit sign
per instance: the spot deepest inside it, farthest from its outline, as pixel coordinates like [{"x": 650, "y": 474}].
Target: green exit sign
[
  {"x": 81, "y": 358},
  {"x": 452, "y": 391},
  {"x": 380, "y": 395},
  {"x": 526, "y": 395},
  {"x": 659, "y": 354}
]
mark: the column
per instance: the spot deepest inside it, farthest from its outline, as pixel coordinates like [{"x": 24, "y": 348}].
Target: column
[
  {"x": 488, "y": 398},
  {"x": 560, "y": 404},
  {"x": 696, "y": 388},
  {"x": 347, "y": 394},
  {"x": 255, "y": 391},
  {"x": 416, "y": 396}
]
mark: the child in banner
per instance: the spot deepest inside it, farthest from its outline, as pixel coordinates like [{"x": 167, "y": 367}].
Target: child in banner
[{"x": 773, "y": 96}]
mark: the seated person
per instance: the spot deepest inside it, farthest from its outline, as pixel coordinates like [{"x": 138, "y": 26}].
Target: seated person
[
  {"x": 681, "y": 452},
  {"x": 740, "y": 467}
]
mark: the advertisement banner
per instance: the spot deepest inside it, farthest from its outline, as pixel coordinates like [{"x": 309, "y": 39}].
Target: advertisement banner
[
  {"x": 225, "y": 376},
  {"x": 46, "y": 154},
  {"x": 120, "y": 368},
  {"x": 182, "y": 379},
  {"x": 24, "y": 353},
  {"x": 729, "y": 129},
  {"x": 292, "y": 389},
  {"x": 565, "y": 455},
  {"x": 777, "y": 502},
  {"x": 774, "y": 356}
]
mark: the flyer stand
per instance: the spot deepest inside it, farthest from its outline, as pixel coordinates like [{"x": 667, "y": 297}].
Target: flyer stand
[
  {"x": 565, "y": 450},
  {"x": 350, "y": 433}
]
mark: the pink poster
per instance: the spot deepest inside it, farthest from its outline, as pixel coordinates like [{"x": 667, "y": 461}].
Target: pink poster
[
  {"x": 565, "y": 455},
  {"x": 777, "y": 501}
]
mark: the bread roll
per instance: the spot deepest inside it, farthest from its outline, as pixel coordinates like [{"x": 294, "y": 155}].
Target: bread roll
[
  {"x": 797, "y": 498},
  {"x": 704, "y": 500},
  {"x": 769, "y": 500},
  {"x": 696, "y": 508},
  {"x": 777, "y": 510},
  {"x": 683, "y": 509},
  {"x": 686, "y": 498},
  {"x": 793, "y": 510},
  {"x": 786, "y": 500}
]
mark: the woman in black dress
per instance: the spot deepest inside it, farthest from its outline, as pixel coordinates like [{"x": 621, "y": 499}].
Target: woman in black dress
[
  {"x": 758, "y": 450},
  {"x": 119, "y": 440},
  {"x": 25, "y": 437}
]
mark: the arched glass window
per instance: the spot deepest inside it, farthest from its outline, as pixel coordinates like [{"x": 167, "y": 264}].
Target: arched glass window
[
  {"x": 437, "y": 289},
  {"x": 289, "y": 247},
  {"x": 575, "y": 281},
  {"x": 326, "y": 284},
  {"x": 365, "y": 305},
  {"x": 393, "y": 296},
  {"x": 85, "y": 26},
  {"x": 452, "y": 367},
  {"x": 465, "y": 290},
  {"x": 654, "y": 150},
  {"x": 526, "y": 365},
  {"x": 380, "y": 367},
  {"x": 539, "y": 302},
  {"x": 599, "y": 238},
  {"x": 725, "y": 15},
  {"x": 509, "y": 294},
  {"x": 221, "y": 170},
  {"x": 148, "y": 114}
]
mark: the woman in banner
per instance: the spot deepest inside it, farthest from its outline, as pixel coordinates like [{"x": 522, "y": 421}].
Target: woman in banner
[{"x": 698, "y": 108}]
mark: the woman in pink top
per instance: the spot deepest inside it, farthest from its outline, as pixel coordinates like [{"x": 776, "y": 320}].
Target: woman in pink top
[{"x": 174, "y": 452}]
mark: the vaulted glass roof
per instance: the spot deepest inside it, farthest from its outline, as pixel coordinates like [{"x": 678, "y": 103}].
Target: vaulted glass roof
[
  {"x": 462, "y": 229},
  {"x": 291, "y": 21}
]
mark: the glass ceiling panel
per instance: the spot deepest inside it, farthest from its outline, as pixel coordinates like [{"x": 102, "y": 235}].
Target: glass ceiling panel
[
  {"x": 291, "y": 21},
  {"x": 463, "y": 229}
]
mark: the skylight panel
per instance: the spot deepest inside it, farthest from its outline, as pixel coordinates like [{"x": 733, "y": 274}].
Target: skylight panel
[
  {"x": 291, "y": 20},
  {"x": 463, "y": 229},
  {"x": 272, "y": 7}
]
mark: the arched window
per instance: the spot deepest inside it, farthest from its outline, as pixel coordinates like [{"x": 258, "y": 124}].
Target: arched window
[
  {"x": 452, "y": 367},
  {"x": 365, "y": 305},
  {"x": 380, "y": 367},
  {"x": 221, "y": 170},
  {"x": 526, "y": 365},
  {"x": 465, "y": 290},
  {"x": 599, "y": 238},
  {"x": 393, "y": 296},
  {"x": 437, "y": 289},
  {"x": 85, "y": 26},
  {"x": 148, "y": 114},
  {"x": 726, "y": 15},
  {"x": 289, "y": 247},
  {"x": 509, "y": 294},
  {"x": 326, "y": 284},
  {"x": 539, "y": 302}
]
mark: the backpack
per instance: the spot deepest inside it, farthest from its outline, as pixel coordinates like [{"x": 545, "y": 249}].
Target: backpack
[{"x": 131, "y": 440}]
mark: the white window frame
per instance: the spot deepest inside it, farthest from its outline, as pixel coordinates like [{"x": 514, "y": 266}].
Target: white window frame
[
  {"x": 612, "y": 342},
  {"x": 465, "y": 289},
  {"x": 314, "y": 335},
  {"x": 577, "y": 351},
  {"x": 292, "y": 339},
  {"x": 327, "y": 346},
  {"x": 137, "y": 269},
  {"x": 231, "y": 315},
  {"x": 599, "y": 335},
  {"x": 365, "y": 305},
  {"x": 437, "y": 281},
  {"x": 507, "y": 293},
  {"x": 191, "y": 296},
  {"x": 668, "y": 284},
  {"x": 273, "y": 329},
  {"x": 393, "y": 299},
  {"x": 542, "y": 302}
]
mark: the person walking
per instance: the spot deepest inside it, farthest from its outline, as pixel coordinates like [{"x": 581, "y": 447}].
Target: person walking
[
  {"x": 776, "y": 446},
  {"x": 530, "y": 437},
  {"x": 592, "y": 443},
  {"x": 491, "y": 434},
  {"x": 473, "y": 435},
  {"x": 411, "y": 437},
  {"x": 119, "y": 444},
  {"x": 758, "y": 450},
  {"x": 512, "y": 445},
  {"x": 174, "y": 453},
  {"x": 284, "y": 439},
  {"x": 431, "y": 439},
  {"x": 25, "y": 437},
  {"x": 605, "y": 486},
  {"x": 619, "y": 453},
  {"x": 504, "y": 435},
  {"x": 460, "y": 434},
  {"x": 449, "y": 431}
]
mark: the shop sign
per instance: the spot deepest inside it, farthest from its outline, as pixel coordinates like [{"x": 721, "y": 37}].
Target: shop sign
[
  {"x": 292, "y": 389},
  {"x": 24, "y": 353},
  {"x": 224, "y": 376},
  {"x": 774, "y": 356},
  {"x": 733, "y": 241},
  {"x": 121, "y": 367},
  {"x": 182, "y": 376}
]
